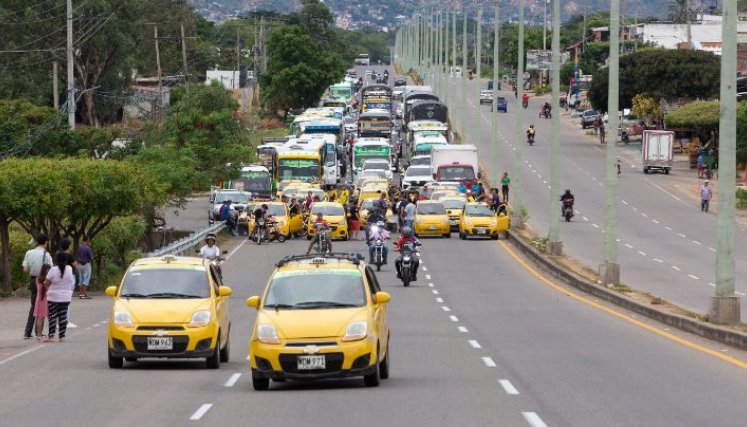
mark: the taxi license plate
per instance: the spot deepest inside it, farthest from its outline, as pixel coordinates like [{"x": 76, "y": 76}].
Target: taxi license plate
[
  {"x": 306, "y": 363},
  {"x": 482, "y": 231},
  {"x": 433, "y": 227},
  {"x": 160, "y": 343},
  {"x": 453, "y": 222}
]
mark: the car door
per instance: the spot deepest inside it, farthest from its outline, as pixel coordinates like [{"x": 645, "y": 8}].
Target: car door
[
  {"x": 379, "y": 310},
  {"x": 503, "y": 222},
  {"x": 295, "y": 222},
  {"x": 221, "y": 305}
]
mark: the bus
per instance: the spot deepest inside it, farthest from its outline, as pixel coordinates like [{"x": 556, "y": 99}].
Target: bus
[
  {"x": 362, "y": 59},
  {"x": 375, "y": 123},
  {"x": 330, "y": 131},
  {"x": 341, "y": 90},
  {"x": 257, "y": 180},
  {"x": 266, "y": 152},
  {"x": 296, "y": 163},
  {"x": 427, "y": 109},
  {"x": 425, "y": 140},
  {"x": 376, "y": 97},
  {"x": 369, "y": 148}
]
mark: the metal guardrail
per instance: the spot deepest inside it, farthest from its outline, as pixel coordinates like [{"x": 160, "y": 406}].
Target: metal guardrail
[{"x": 182, "y": 245}]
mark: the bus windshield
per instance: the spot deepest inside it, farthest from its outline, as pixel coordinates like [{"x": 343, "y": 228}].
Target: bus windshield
[
  {"x": 305, "y": 170},
  {"x": 256, "y": 180},
  {"x": 367, "y": 152}
]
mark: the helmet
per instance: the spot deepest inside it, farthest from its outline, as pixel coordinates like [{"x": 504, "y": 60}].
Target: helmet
[
  {"x": 210, "y": 237},
  {"x": 380, "y": 224},
  {"x": 407, "y": 231},
  {"x": 531, "y": 126}
]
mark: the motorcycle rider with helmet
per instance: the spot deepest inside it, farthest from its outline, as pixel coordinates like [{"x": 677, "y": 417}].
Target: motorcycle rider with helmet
[
  {"x": 209, "y": 249},
  {"x": 319, "y": 224},
  {"x": 530, "y": 134},
  {"x": 407, "y": 240},
  {"x": 378, "y": 231},
  {"x": 566, "y": 199}
]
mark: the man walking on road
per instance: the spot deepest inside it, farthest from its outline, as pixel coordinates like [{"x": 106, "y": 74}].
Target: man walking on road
[
  {"x": 705, "y": 197},
  {"x": 32, "y": 264}
]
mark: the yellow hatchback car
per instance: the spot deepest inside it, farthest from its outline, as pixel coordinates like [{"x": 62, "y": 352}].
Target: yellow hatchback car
[
  {"x": 289, "y": 223},
  {"x": 479, "y": 220},
  {"x": 335, "y": 216},
  {"x": 454, "y": 206},
  {"x": 170, "y": 307},
  {"x": 320, "y": 317},
  {"x": 431, "y": 219}
]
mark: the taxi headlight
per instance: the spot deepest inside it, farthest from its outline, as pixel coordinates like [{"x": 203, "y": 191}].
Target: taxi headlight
[
  {"x": 267, "y": 334},
  {"x": 343, "y": 223},
  {"x": 467, "y": 222},
  {"x": 356, "y": 331},
  {"x": 200, "y": 318},
  {"x": 493, "y": 223},
  {"x": 122, "y": 318}
]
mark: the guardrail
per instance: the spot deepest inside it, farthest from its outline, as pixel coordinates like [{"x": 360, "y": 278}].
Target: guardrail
[{"x": 181, "y": 246}]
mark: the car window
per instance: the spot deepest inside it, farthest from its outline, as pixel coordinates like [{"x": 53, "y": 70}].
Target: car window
[
  {"x": 431, "y": 209},
  {"x": 216, "y": 278},
  {"x": 373, "y": 283},
  {"x": 187, "y": 282},
  {"x": 479, "y": 211},
  {"x": 454, "y": 204},
  {"x": 305, "y": 289},
  {"x": 418, "y": 171},
  {"x": 333, "y": 210}
]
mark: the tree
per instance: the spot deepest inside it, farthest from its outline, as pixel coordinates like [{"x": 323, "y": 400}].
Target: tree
[
  {"x": 702, "y": 115},
  {"x": 647, "y": 108},
  {"x": 742, "y": 134},
  {"x": 691, "y": 74},
  {"x": 317, "y": 18}
]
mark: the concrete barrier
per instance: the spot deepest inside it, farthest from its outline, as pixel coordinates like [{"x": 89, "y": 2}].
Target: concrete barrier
[{"x": 712, "y": 332}]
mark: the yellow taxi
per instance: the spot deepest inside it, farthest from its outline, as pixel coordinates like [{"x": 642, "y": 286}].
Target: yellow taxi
[
  {"x": 288, "y": 223},
  {"x": 378, "y": 183},
  {"x": 454, "y": 205},
  {"x": 169, "y": 307},
  {"x": 320, "y": 317},
  {"x": 438, "y": 195},
  {"x": 479, "y": 220},
  {"x": 431, "y": 219},
  {"x": 302, "y": 193},
  {"x": 335, "y": 216},
  {"x": 364, "y": 206}
]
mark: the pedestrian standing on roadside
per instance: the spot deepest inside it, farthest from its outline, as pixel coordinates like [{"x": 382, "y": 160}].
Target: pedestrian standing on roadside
[
  {"x": 701, "y": 166},
  {"x": 32, "y": 264},
  {"x": 41, "y": 309},
  {"x": 70, "y": 260},
  {"x": 84, "y": 256},
  {"x": 601, "y": 131},
  {"x": 705, "y": 196},
  {"x": 355, "y": 221},
  {"x": 505, "y": 182},
  {"x": 58, "y": 289}
]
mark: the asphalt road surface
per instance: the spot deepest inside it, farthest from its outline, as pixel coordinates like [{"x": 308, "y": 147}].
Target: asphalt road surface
[{"x": 479, "y": 340}]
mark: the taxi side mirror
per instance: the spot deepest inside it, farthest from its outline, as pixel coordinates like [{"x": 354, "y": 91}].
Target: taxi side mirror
[
  {"x": 382, "y": 297},
  {"x": 225, "y": 291},
  {"x": 111, "y": 291},
  {"x": 252, "y": 302}
]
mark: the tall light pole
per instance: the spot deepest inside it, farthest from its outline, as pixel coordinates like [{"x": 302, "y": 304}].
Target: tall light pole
[
  {"x": 70, "y": 64},
  {"x": 494, "y": 116},
  {"x": 478, "y": 44},
  {"x": 554, "y": 245},
  {"x": 519, "y": 142},
  {"x": 609, "y": 272},
  {"x": 725, "y": 308},
  {"x": 464, "y": 74},
  {"x": 452, "y": 82}
]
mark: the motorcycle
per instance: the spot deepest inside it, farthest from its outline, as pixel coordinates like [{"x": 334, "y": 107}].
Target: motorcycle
[
  {"x": 525, "y": 104},
  {"x": 546, "y": 113},
  {"x": 259, "y": 231},
  {"x": 378, "y": 257},
  {"x": 407, "y": 266},
  {"x": 567, "y": 211},
  {"x": 322, "y": 245},
  {"x": 530, "y": 138}
]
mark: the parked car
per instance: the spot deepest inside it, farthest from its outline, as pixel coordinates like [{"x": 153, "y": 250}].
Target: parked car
[
  {"x": 588, "y": 118},
  {"x": 486, "y": 97}
]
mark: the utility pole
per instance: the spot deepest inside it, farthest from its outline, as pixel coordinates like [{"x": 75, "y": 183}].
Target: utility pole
[
  {"x": 70, "y": 63},
  {"x": 464, "y": 76},
  {"x": 725, "y": 307},
  {"x": 159, "y": 101},
  {"x": 478, "y": 44},
  {"x": 255, "y": 51},
  {"x": 544, "y": 27},
  {"x": 55, "y": 87},
  {"x": 609, "y": 272},
  {"x": 452, "y": 82},
  {"x": 496, "y": 75},
  {"x": 517, "y": 219},
  {"x": 184, "y": 58},
  {"x": 689, "y": 24},
  {"x": 554, "y": 244}
]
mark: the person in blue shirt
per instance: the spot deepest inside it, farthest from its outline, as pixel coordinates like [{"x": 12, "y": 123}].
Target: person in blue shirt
[{"x": 462, "y": 188}]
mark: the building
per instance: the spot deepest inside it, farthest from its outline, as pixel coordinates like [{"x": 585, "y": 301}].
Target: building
[
  {"x": 229, "y": 79},
  {"x": 705, "y": 34}
]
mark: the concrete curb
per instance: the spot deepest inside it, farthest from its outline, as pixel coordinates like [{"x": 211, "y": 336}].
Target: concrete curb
[{"x": 712, "y": 332}]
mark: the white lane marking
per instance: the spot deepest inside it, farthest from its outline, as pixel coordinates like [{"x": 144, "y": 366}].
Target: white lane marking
[
  {"x": 693, "y": 277},
  {"x": 424, "y": 269},
  {"x": 594, "y": 225},
  {"x": 439, "y": 300},
  {"x": 681, "y": 235},
  {"x": 675, "y": 268},
  {"x": 88, "y": 328},
  {"x": 644, "y": 215},
  {"x": 445, "y": 308},
  {"x": 624, "y": 202},
  {"x": 23, "y": 353},
  {"x": 655, "y": 221},
  {"x": 430, "y": 285},
  {"x": 629, "y": 246},
  {"x": 739, "y": 293},
  {"x": 658, "y": 260},
  {"x": 462, "y": 329},
  {"x": 232, "y": 380},
  {"x": 544, "y": 182},
  {"x": 96, "y": 325},
  {"x": 668, "y": 228},
  {"x": 713, "y": 285},
  {"x": 488, "y": 362},
  {"x": 533, "y": 419},
  {"x": 428, "y": 276},
  {"x": 453, "y": 318},
  {"x": 474, "y": 344},
  {"x": 711, "y": 249},
  {"x": 508, "y": 387},
  {"x": 697, "y": 242},
  {"x": 103, "y": 322},
  {"x": 435, "y": 292},
  {"x": 642, "y": 253},
  {"x": 635, "y": 209},
  {"x": 586, "y": 219},
  {"x": 200, "y": 412},
  {"x": 236, "y": 249}
]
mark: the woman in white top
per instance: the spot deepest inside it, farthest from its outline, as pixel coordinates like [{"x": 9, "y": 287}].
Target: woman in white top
[{"x": 58, "y": 288}]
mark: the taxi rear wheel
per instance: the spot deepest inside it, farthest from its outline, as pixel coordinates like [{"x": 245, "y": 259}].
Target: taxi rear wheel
[
  {"x": 384, "y": 365},
  {"x": 260, "y": 384},
  {"x": 225, "y": 352},
  {"x": 115, "y": 362}
]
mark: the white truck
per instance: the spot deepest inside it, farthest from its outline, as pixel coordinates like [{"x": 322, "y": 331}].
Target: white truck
[
  {"x": 455, "y": 164},
  {"x": 657, "y": 150}
]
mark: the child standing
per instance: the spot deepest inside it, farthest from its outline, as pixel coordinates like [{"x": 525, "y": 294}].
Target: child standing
[{"x": 41, "y": 310}]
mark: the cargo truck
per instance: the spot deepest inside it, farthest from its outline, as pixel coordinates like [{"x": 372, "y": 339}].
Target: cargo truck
[
  {"x": 455, "y": 164},
  {"x": 657, "y": 150}
]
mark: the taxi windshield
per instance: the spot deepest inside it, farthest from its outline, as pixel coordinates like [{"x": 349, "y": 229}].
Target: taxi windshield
[
  {"x": 276, "y": 210},
  {"x": 304, "y": 290},
  {"x": 166, "y": 283},
  {"x": 454, "y": 204},
  {"x": 332, "y": 210},
  {"x": 479, "y": 210},
  {"x": 431, "y": 209}
]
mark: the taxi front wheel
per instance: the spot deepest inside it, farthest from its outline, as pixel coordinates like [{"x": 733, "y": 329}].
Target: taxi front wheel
[
  {"x": 260, "y": 384},
  {"x": 115, "y": 362}
]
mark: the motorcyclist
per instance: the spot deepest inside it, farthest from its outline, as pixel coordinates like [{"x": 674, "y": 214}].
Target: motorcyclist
[
  {"x": 407, "y": 240},
  {"x": 209, "y": 249},
  {"x": 546, "y": 109},
  {"x": 378, "y": 231},
  {"x": 567, "y": 199},
  {"x": 374, "y": 216},
  {"x": 530, "y": 133},
  {"x": 259, "y": 214},
  {"x": 525, "y": 100},
  {"x": 319, "y": 224}
]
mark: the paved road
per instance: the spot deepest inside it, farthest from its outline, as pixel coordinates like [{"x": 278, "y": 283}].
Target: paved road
[
  {"x": 666, "y": 245},
  {"x": 461, "y": 349}
]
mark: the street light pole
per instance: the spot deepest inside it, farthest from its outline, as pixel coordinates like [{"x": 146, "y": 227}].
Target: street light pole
[
  {"x": 609, "y": 272},
  {"x": 518, "y": 219},
  {"x": 725, "y": 307},
  {"x": 464, "y": 75},
  {"x": 554, "y": 244},
  {"x": 494, "y": 116}
]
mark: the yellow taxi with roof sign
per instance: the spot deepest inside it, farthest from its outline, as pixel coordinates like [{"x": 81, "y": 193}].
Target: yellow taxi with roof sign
[
  {"x": 169, "y": 307},
  {"x": 320, "y": 317}
]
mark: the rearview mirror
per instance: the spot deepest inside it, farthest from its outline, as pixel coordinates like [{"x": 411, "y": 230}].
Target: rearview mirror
[
  {"x": 252, "y": 302},
  {"x": 382, "y": 297},
  {"x": 111, "y": 291},
  {"x": 225, "y": 291}
]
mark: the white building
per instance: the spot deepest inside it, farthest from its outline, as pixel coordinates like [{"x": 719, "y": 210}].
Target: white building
[
  {"x": 706, "y": 34},
  {"x": 229, "y": 79}
]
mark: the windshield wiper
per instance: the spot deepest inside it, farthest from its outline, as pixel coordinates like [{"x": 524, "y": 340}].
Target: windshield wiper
[
  {"x": 133, "y": 296},
  {"x": 278, "y": 306},
  {"x": 317, "y": 304},
  {"x": 171, "y": 295}
]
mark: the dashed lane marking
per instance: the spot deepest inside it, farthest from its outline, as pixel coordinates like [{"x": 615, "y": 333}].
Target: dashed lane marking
[
  {"x": 508, "y": 387},
  {"x": 428, "y": 276},
  {"x": 201, "y": 412},
  {"x": 629, "y": 246},
  {"x": 424, "y": 269},
  {"x": 658, "y": 260},
  {"x": 675, "y": 268},
  {"x": 462, "y": 329},
  {"x": 439, "y": 300},
  {"x": 642, "y": 253},
  {"x": 453, "y": 318},
  {"x": 711, "y": 249},
  {"x": 488, "y": 362},
  {"x": 533, "y": 419},
  {"x": 595, "y": 225},
  {"x": 445, "y": 308},
  {"x": 620, "y": 315},
  {"x": 435, "y": 292},
  {"x": 693, "y": 277},
  {"x": 430, "y": 285},
  {"x": 232, "y": 380},
  {"x": 474, "y": 344}
]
